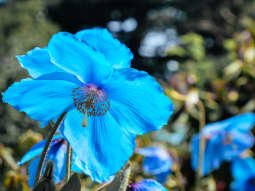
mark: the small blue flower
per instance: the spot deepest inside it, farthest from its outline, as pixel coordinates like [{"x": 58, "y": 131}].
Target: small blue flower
[
  {"x": 243, "y": 172},
  {"x": 157, "y": 162},
  {"x": 225, "y": 140},
  {"x": 87, "y": 75},
  {"x": 56, "y": 153},
  {"x": 147, "y": 185}
]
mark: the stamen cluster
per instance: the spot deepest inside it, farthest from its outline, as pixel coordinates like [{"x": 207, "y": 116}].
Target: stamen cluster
[{"x": 91, "y": 100}]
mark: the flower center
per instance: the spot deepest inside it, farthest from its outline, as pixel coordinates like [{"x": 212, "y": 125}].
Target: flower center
[{"x": 90, "y": 100}]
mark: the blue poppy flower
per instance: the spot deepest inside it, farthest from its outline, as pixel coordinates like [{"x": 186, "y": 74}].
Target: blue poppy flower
[
  {"x": 225, "y": 140},
  {"x": 157, "y": 162},
  {"x": 147, "y": 185},
  {"x": 56, "y": 153},
  {"x": 87, "y": 75},
  {"x": 243, "y": 172}
]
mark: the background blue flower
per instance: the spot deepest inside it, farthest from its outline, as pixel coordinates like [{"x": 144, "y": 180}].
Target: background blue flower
[
  {"x": 76, "y": 74},
  {"x": 57, "y": 154},
  {"x": 147, "y": 185},
  {"x": 225, "y": 140},
  {"x": 157, "y": 161},
  {"x": 243, "y": 172}
]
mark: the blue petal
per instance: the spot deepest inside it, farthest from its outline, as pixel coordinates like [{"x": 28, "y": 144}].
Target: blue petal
[
  {"x": 243, "y": 122},
  {"x": 162, "y": 177},
  {"x": 238, "y": 185},
  {"x": 104, "y": 146},
  {"x": 194, "y": 147},
  {"x": 42, "y": 100},
  {"x": 156, "y": 160},
  {"x": 33, "y": 152},
  {"x": 32, "y": 169},
  {"x": 147, "y": 185},
  {"x": 249, "y": 184},
  {"x": 138, "y": 101},
  {"x": 118, "y": 55},
  {"x": 37, "y": 62},
  {"x": 37, "y": 150},
  {"x": 243, "y": 184},
  {"x": 212, "y": 161},
  {"x": 57, "y": 154},
  {"x": 77, "y": 165},
  {"x": 228, "y": 138},
  {"x": 243, "y": 168},
  {"x": 60, "y": 76},
  {"x": 240, "y": 141},
  {"x": 243, "y": 172},
  {"x": 75, "y": 57}
]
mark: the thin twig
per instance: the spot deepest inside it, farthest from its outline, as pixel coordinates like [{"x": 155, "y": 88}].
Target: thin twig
[
  {"x": 46, "y": 147},
  {"x": 199, "y": 174}
]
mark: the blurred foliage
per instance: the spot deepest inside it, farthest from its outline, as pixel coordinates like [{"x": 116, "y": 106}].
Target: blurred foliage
[
  {"x": 23, "y": 26},
  {"x": 204, "y": 50}
]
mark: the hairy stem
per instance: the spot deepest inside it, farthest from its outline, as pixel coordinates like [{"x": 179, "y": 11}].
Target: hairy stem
[
  {"x": 68, "y": 162},
  {"x": 125, "y": 180},
  {"x": 46, "y": 147},
  {"x": 48, "y": 173},
  {"x": 199, "y": 174}
]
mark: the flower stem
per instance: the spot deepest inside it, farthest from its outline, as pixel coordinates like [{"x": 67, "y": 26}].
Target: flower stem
[
  {"x": 47, "y": 145},
  {"x": 125, "y": 177},
  {"x": 199, "y": 174},
  {"x": 68, "y": 162},
  {"x": 48, "y": 173}
]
